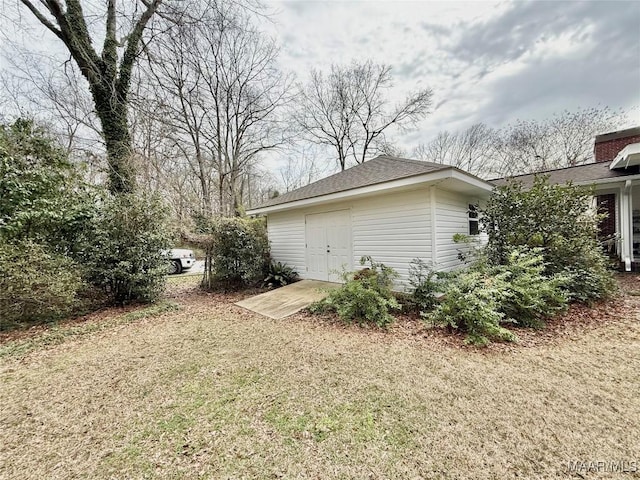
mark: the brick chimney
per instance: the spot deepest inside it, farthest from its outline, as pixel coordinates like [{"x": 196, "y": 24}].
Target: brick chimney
[{"x": 608, "y": 145}]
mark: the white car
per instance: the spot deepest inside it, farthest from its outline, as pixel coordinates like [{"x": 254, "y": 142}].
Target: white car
[{"x": 181, "y": 259}]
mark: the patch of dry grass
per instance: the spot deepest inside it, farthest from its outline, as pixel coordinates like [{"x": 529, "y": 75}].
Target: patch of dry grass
[{"x": 213, "y": 391}]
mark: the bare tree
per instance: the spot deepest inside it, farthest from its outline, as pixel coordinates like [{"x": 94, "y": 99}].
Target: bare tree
[
  {"x": 575, "y": 130},
  {"x": 258, "y": 185},
  {"x": 386, "y": 147},
  {"x": 302, "y": 165},
  {"x": 223, "y": 94},
  {"x": 181, "y": 104},
  {"x": 348, "y": 110},
  {"x": 470, "y": 150},
  {"x": 37, "y": 87},
  {"x": 108, "y": 71},
  {"x": 564, "y": 140},
  {"x": 248, "y": 90},
  {"x": 524, "y": 146}
]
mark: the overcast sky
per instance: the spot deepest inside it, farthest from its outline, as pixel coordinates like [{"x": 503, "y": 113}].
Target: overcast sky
[{"x": 486, "y": 62}]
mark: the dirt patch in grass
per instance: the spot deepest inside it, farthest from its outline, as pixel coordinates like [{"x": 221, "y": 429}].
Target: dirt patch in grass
[{"x": 210, "y": 390}]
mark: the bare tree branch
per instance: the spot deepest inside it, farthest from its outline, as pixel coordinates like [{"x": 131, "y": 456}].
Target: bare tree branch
[
  {"x": 348, "y": 110},
  {"x": 43, "y": 19}
]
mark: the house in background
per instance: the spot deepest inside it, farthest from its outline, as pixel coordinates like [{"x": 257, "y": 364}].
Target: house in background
[
  {"x": 392, "y": 209},
  {"x": 616, "y": 178}
]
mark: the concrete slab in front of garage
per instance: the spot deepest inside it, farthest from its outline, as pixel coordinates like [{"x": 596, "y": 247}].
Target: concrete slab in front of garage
[{"x": 287, "y": 300}]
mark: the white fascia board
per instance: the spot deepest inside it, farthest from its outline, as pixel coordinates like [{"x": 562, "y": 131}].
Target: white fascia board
[
  {"x": 378, "y": 188},
  {"x": 628, "y": 156},
  {"x": 472, "y": 180}
]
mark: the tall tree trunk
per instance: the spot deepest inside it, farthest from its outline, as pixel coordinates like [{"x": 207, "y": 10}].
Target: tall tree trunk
[
  {"x": 109, "y": 77},
  {"x": 112, "y": 112}
]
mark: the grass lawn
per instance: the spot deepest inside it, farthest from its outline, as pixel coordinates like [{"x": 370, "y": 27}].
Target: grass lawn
[{"x": 198, "y": 388}]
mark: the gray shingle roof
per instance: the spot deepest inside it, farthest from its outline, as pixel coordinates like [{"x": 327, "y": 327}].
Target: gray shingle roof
[
  {"x": 579, "y": 174},
  {"x": 378, "y": 170}
]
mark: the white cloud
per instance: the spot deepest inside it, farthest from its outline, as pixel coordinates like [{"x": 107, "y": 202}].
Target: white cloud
[
  {"x": 486, "y": 61},
  {"x": 491, "y": 62}
]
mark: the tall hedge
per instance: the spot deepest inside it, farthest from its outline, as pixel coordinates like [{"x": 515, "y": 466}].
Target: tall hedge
[
  {"x": 36, "y": 284},
  {"x": 42, "y": 198},
  {"x": 236, "y": 249},
  {"x": 559, "y": 220},
  {"x": 126, "y": 253}
]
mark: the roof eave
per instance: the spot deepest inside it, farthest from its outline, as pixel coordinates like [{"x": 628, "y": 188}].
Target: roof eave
[
  {"x": 415, "y": 180},
  {"x": 604, "y": 181},
  {"x": 628, "y": 156}
]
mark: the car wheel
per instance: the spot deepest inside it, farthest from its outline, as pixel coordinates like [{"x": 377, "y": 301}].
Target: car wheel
[{"x": 175, "y": 267}]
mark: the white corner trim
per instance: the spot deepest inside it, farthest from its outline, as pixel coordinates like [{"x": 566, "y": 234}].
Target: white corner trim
[
  {"x": 434, "y": 223},
  {"x": 472, "y": 180}
]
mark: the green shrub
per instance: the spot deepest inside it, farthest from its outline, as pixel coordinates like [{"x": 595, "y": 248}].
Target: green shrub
[
  {"x": 124, "y": 256},
  {"x": 376, "y": 275},
  {"x": 366, "y": 296},
  {"x": 471, "y": 248},
  {"x": 528, "y": 295},
  {"x": 479, "y": 300},
  {"x": 425, "y": 283},
  {"x": 589, "y": 273},
  {"x": 237, "y": 252},
  {"x": 559, "y": 220},
  {"x": 279, "y": 274},
  {"x": 471, "y": 305},
  {"x": 42, "y": 197},
  {"x": 36, "y": 285}
]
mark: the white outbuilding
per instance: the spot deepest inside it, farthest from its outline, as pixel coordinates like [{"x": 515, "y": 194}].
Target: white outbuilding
[{"x": 392, "y": 209}]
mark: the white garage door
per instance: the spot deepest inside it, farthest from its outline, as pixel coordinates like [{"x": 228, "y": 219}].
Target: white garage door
[{"x": 328, "y": 239}]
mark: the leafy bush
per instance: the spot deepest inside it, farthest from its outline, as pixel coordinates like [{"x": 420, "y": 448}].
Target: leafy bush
[
  {"x": 42, "y": 198},
  {"x": 589, "y": 273},
  {"x": 528, "y": 295},
  {"x": 124, "y": 256},
  {"x": 366, "y": 296},
  {"x": 479, "y": 300},
  {"x": 36, "y": 285},
  {"x": 279, "y": 274},
  {"x": 117, "y": 242},
  {"x": 559, "y": 220},
  {"x": 237, "y": 252},
  {"x": 471, "y": 248},
  {"x": 542, "y": 253},
  {"x": 471, "y": 304},
  {"x": 425, "y": 283}
]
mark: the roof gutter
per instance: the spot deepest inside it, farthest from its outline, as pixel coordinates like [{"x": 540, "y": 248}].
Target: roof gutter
[{"x": 604, "y": 181}]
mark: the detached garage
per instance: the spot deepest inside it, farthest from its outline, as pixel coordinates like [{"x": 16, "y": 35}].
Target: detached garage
[{"x": 393, "y": 209}]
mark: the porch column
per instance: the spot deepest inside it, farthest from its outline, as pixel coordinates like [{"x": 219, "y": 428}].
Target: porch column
[{"x": 626, "y": 225}]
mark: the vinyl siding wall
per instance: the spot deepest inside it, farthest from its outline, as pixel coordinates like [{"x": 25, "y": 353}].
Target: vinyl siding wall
[
  {"x": 393, "y": 229},
  {"x": 451, "y": 217},
  {"x": 286, "y": 235}
]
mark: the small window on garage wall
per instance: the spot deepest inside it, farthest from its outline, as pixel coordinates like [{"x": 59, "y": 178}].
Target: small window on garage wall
[{"x": 474, "y": 226}]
